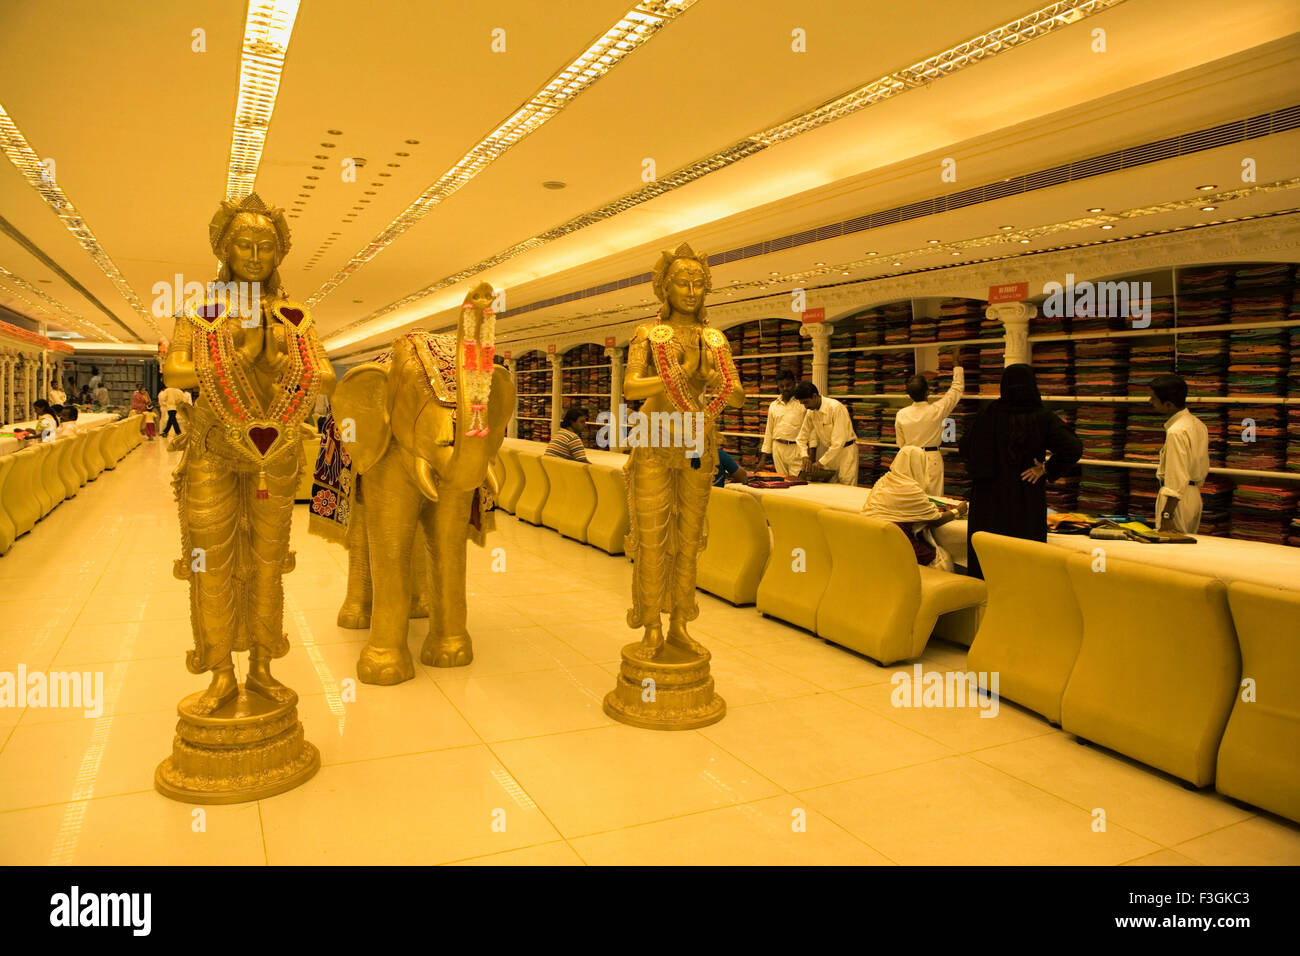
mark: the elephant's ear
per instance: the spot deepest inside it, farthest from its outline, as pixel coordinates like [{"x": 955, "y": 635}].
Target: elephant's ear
[{"x": 360, "y": 406}]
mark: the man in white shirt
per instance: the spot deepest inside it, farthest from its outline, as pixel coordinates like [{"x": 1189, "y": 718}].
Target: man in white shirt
[
  {"x": 57, "y": 395},
  {"x": 784, "y": 419},
  {"x": 1184, "y": 459},
  {"x": 921, "y": 424},
  {"x": 96, "y": 379},
  {"x": 827, "y": 427},
  {"x": 100, "y": 394},
  {"x": 169, "y": 400}
]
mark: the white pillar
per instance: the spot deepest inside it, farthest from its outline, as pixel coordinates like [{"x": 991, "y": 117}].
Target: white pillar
[
  {"x": 615, "y": 356},
  {"x": 512, "y": 430},
  {"x": 1014, "y": 317},
  {"x": 557, "y": 389},
  {"x": 820, "y": 335}
]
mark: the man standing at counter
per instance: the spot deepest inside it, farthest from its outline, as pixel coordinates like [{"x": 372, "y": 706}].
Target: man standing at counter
[
  {"x": 828, "y": 427},
  {"x": 1184, "y": 459},
  {"x": 784, "y": 418}
]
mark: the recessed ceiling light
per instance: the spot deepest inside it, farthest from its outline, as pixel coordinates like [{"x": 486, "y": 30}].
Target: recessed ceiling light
[
  {"x": 843, "y": 273},
  {"x": 553, "y": 184},
  {"x": 394, "y": 165},
  {"x": 872, "y": 253},
  {"x": 313, "y": 177},
  {"x": 1108, "y": 226},
  {"x": 412, "y": 142},
  {"x": 46, "y": 281},
  {"x": 821, "y": 263},
  {"x": 1208, "y": 208},
  {"x": 774, "y": 273},
  {"x": 356, "y": 301},
  {"x": 1095, "y": 209},
  {"x": 898, "y": 263},
  {"x": 1024, "y": 241},
  {"x": 334, "y": 132},
  {"x": 401, "y": 154},
  {"x": 328, "y": 145},
  {"x": 933, "y": 242},
  {"x": 318, "y": 167},
  {"x": 1207, "y": 187},
  {"x": 956, "y": 253},
  {"x": 321, "y": 156},
  {"x": 1006, "y": 227}
]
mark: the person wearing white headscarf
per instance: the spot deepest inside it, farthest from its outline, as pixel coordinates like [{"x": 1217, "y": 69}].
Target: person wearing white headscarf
[{"x": 900, "y": 497}]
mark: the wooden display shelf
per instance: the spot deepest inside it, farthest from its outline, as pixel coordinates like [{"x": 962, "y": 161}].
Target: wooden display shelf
[
  {"x": 1230, "y": 472},
  {"x": 1133, "y": 399},
  {"x": 1176, "y": 330}
]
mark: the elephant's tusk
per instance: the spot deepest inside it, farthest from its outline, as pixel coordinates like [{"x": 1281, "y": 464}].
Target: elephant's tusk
[{"x": 426, "y": 479}]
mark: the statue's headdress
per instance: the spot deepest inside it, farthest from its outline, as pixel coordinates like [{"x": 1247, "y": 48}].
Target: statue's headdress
[
  {"x": 252, "y": 203},
  {"x": 659, "y": 275}
]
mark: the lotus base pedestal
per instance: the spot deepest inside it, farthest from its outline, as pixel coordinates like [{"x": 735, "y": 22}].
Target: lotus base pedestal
[
  {"x": 671, "y": 692},
  {"x": 249, "y": 748}
]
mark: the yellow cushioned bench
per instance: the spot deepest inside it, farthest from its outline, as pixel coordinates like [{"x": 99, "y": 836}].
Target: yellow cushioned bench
[
  {"x": 795, "y": 578},
  {"x": 8, "y": 531},
  {"x": 94, "y": 453},
  {"x": 738, "y": 546},
  {"x": 878, "y": 601},
  {"x": 21, "y": 499},
  {"x": 537, "y": 487},
  {"x": 1032, "y": 627},
  {"x": 572, "y": 499},
  {"x": 513, "y": 485},
  {"x": 1259, "y": 758},
  {"x": 1158, "y": 665},
  {"x": 44, "y": 501},
  {"x": 609, "y": 526}
]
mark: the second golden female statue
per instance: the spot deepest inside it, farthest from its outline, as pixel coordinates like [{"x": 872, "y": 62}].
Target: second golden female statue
[{"x": 684, "y": 371}]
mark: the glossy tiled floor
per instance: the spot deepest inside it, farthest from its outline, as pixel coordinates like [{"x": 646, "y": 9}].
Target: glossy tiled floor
[{"x": 511, "y": 760}]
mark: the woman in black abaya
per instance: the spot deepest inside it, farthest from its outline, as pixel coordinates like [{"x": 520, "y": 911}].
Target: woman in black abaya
[{"x": 1006, "y": 454}]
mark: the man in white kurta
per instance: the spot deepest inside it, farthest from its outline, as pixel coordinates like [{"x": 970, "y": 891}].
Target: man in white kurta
[
  {"x": 784, "y": 418},
  {"x": 921, "y": 424},
  {"x": 828, "y": 429},
  {"x": 1184, "y": 459}
]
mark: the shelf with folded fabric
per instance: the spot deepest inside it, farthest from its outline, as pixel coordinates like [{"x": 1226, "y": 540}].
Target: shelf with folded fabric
[
  {"x": 533, "y": 386},
  {"x": 1141, "y": 399},
  {"x": 1286, "y": 476}
]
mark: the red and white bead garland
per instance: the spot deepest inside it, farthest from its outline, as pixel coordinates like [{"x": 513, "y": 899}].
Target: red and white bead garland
[{"x": 674, "y": 379}]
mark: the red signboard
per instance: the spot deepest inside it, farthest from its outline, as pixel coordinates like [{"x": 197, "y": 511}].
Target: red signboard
[
  {"x": 1011, "y": 292},
  {"x": 609, "y": 341},
  {"x": 812, "y": 316},
  {"x": 550, "y": 349}
]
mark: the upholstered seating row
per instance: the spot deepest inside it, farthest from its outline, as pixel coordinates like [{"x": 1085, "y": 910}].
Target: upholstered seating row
[
  {"x": 1150, "y": 662},
  {"x": 35, "y": 480},
  {"x": 775, "y": 552}
]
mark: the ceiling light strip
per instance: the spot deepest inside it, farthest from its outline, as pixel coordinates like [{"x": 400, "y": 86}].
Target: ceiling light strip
[
  {"x": 268, "y": 28},
  {"x": 52, "y": 305},
  {"x": 26, "y": 161},
  {"x": 998, "y": 40},
  {"x": 631, "y": 32}
]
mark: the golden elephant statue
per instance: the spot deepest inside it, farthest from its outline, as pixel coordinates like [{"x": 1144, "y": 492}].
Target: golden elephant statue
[{"x": 421, "y": 425}]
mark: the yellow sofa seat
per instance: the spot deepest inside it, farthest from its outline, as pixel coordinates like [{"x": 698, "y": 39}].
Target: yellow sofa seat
[
  {"x": 513, "y": 484},
  {"x": 94, "y": 452},
  {"x": 878, "y": 601},
  {"x": 1158, "y": 665},
  {"x": 738, "y": 546},
  {"x": 1259, "y": 758},
  {"x": 609, "y": 524},
  {"x": 537, "y": 488},
  {"x": 8, "y": 531},
  {"x": 1032, "y": 627},
  {"x": 795, "y": 578},
  {"x": 21, "y": 501},
  {"x": 44, "y": 502},
  {"x": 572, "y": 500},
  {"x": 77, "y": 457}
]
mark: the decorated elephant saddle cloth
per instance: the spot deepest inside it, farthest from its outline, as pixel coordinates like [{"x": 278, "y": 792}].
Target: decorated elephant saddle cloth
[{"x": 437, "y": 355}]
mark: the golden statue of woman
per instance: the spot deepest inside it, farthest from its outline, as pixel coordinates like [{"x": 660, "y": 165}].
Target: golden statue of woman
[
  {"x": 259, "y": 369},
  {"x": 681, "y": 367}
]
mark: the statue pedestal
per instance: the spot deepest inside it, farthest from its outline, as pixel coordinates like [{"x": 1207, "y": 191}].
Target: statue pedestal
[
  {"x": 681, "y": 696},
  {"x": 249, "y": 748}
]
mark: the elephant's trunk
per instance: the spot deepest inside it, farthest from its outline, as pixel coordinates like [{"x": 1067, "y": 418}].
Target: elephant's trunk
[{"x": 471, "y": 453}]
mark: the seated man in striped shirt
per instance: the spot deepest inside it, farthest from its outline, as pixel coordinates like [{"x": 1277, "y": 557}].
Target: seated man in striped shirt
[{"x": 567, "y": 442}]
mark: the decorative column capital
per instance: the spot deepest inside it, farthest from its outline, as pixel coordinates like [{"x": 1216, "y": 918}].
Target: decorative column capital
[
  {"x": 817, "y": 331},
  {"x": 1014, "y": 317}
]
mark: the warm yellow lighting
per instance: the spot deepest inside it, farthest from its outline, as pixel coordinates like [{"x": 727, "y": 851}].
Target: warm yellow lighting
[{"x": 267, "y": 29}]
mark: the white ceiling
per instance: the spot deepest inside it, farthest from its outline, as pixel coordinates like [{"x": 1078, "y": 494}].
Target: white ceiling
[{"x": 140, "y": 129}]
